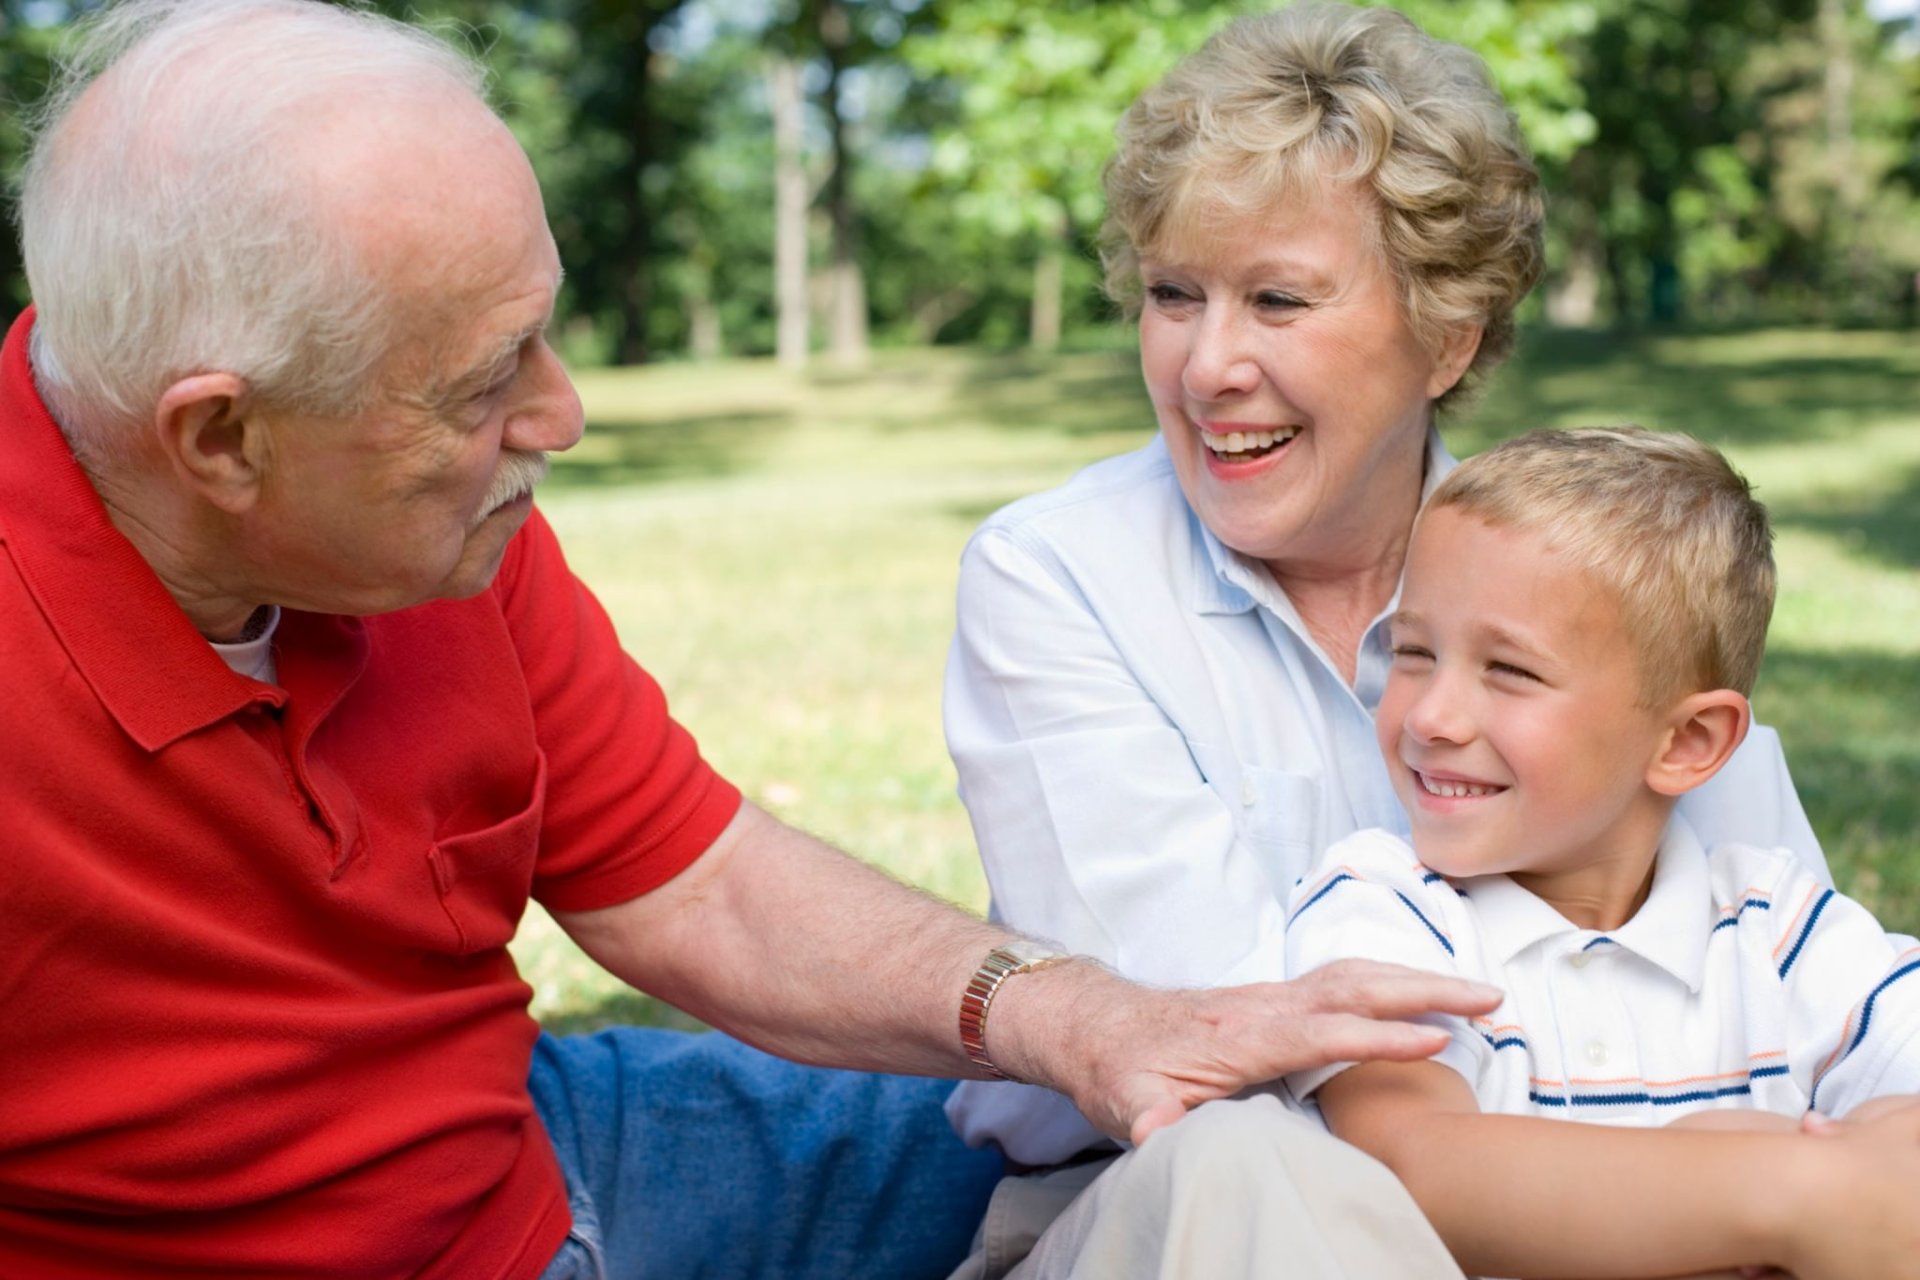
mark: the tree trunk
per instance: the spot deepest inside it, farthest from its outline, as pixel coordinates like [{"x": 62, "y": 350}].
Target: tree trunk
[
  {"x": 790, "y": 199},
  {"x": 1049, "y": 270},
  {"x": 1849, "y": 196},
  {"x": 1837, "y": 93},
  {"x": 705, "y": 338},
  {"x": 933, "y": 314},
  {"x": 847, "y": 335},
  {"x": 630, "y": 105},
  {"x": 1574, "y": 299},
  {"x": 1625, "y": 314}
]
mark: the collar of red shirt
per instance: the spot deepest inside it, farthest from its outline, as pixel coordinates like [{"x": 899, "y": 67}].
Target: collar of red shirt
[{"x": 128, "y": 638}]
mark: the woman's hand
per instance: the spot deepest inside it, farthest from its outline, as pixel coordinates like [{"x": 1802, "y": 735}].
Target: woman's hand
[
  {"x": 1853, "y": 1194},
  {"x": 1873, "y": 1109}
]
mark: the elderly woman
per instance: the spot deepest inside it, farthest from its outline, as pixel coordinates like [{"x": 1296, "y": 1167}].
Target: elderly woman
[{"x": 1160, "y": 693}]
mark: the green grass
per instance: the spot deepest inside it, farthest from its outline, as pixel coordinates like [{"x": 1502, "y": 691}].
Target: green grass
[{"x": 780, "y": 553}]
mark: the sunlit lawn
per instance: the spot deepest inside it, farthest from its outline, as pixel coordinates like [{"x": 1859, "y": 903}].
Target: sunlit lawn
[{"x": 780, "y": 553}]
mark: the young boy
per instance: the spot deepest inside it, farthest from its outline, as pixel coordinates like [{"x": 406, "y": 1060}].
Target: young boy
[{"x": 1582, "y": 620}]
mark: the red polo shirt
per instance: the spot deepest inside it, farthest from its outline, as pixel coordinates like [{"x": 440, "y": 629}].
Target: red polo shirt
[{"x": 259, "y": 1015}]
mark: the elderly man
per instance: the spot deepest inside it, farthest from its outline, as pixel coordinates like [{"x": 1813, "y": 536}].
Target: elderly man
[{"x": 302, "y": 704}]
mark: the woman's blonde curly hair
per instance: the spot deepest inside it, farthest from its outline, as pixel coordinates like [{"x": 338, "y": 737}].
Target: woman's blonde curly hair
[{"x": 1276, "y": 103}]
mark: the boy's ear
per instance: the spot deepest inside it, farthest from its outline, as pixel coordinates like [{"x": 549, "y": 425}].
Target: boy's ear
[{"x": 1701, "y": 734}]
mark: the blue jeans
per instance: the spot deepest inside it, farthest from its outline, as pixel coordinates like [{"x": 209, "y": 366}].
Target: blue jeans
[{"x": 692, "y": 1155}]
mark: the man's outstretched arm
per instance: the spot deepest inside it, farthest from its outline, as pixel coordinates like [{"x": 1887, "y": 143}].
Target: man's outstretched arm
[{"x": 795, "y": 947}]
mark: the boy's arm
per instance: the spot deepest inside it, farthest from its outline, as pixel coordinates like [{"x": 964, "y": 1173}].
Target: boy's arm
[{"x": 1544, "y": 1198}]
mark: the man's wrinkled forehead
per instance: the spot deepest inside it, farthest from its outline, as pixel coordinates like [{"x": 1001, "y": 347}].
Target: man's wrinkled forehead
[
  {"x": 446, "y": 214},
  {"x": 419, "y": 185},
  {"x": 398, "y": 153}
]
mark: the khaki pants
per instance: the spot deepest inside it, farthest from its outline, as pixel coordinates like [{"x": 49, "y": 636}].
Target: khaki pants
[{"x": 1238, "y": 1188}]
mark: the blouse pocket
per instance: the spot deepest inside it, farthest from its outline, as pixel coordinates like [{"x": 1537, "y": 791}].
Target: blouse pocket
[
  {"x": 484, "y": 877},
  {"x": 1278, "y": 817}
]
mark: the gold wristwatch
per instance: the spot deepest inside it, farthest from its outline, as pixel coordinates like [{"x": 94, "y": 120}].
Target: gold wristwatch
[{"x": 1003, "y": 962}]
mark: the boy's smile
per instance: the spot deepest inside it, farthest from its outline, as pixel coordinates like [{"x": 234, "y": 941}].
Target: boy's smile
[{"x": 1511, "y": 722}]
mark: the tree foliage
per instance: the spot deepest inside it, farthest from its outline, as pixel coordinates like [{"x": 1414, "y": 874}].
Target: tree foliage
[
  {"x": 1708, "y": 160},
  {"x": 26, "y": 48}
]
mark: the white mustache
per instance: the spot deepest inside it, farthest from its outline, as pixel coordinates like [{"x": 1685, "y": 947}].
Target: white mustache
[{"x": 519, "y": 471}]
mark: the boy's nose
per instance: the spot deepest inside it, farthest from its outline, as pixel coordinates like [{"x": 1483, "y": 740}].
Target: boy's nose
[{"x": 1439, "y": 715}]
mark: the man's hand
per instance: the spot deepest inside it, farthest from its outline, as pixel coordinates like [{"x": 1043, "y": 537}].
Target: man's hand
[
  {"x": 869, "y": 975},
  {"x": 1135, "y": 1059}
]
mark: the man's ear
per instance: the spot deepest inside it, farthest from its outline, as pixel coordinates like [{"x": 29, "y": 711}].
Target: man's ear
[
  {"x": 205, "y": 426},
  {"x": 1450, "y": 362},
  {"x": 1701, "y": 734}
]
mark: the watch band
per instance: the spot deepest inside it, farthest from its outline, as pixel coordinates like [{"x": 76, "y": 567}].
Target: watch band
[{"x": 1002, "y": 962}]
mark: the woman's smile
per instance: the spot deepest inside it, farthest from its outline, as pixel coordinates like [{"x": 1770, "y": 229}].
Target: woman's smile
[{"x": 1234, "y": 445}]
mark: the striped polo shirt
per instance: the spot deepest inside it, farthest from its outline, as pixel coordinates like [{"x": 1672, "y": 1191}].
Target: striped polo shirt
[{"x": 1742, "y": 982}]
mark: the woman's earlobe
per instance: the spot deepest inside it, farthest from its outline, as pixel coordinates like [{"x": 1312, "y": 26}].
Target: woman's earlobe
[{"x": 1454, "y": 359}]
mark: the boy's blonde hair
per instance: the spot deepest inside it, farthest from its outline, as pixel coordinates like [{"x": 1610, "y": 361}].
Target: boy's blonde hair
[{"x": 1661, "y": 520}]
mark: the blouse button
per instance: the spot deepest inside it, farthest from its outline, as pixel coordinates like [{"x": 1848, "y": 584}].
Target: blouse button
[
  {"x": 1596, "y": 1053},
  {"x": 1247, "y": 794},
  {"x": 1579, "y": 959}
]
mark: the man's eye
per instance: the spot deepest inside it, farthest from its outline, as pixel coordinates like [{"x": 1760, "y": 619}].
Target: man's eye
[{"x": 491, "y": 392}]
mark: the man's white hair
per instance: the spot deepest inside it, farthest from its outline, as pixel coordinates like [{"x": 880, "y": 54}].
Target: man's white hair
[{"x": 168, "y": 221}]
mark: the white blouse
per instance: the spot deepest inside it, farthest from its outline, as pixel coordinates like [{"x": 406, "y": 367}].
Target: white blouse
[{"x": 1153, "y": 750}]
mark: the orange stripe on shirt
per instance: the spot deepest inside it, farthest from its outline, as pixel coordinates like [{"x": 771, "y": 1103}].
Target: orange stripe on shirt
[
  {"x": 1793, "y": 929},
  {"x": 1853, "y": 1020}
]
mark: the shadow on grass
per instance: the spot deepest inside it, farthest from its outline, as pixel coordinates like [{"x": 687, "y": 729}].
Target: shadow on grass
[
  {"x": 1081, "y": 406},
  {"x": 620, "y": 451},
  {"x": 1846, "y": 720},
  {"x": 1077, "y": 394},
  {"x": 623, "y": 1008},
  {"x": 973, "y": 514},
  {"x": 1679, "y": 383},
  {"x": 1884, "y": 526}
]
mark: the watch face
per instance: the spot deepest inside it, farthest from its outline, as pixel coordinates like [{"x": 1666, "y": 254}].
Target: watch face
[{"x": 1032, "y": 953}]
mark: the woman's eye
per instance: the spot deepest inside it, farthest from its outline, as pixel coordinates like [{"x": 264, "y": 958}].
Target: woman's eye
[
  {"x": 1269, "y": 300},
  {"x": 1168, "y": 294},
  {"x": 1412, "y": 652},
  {"x": 1508, "y": 669}
]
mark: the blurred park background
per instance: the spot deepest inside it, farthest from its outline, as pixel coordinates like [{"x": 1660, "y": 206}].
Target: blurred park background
[{"x": 832, "y": 297}]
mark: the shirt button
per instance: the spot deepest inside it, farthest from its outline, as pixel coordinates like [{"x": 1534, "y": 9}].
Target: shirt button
[
  {"x": 1579, "y": 959},
  {"x": 1247, "y": 795},
  {"x": 1596, "y": 1053}
]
